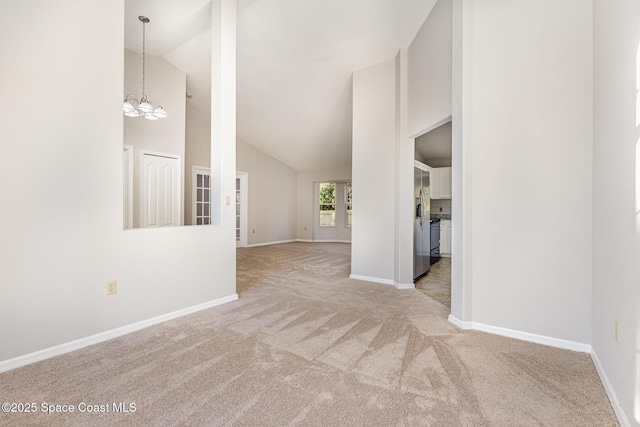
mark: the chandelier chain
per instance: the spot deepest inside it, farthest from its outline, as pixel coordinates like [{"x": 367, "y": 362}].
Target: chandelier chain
[{"x": 144, "y": 96}]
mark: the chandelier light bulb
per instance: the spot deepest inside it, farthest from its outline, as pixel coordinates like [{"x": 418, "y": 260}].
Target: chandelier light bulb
[
  {"x": 145, "y": 106},
  {"x": 160, "y": 113}
]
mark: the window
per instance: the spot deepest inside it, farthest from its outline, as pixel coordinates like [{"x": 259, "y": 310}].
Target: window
[
  {"x": 327, "y": 204},
  {"x": 348, "y": 200},
  {"x": 201, "y": 196}
]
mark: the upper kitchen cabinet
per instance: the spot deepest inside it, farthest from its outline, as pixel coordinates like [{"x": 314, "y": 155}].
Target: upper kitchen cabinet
[
  {"x": 444, "y": 182},
  {"x": 440, "y": 181}
]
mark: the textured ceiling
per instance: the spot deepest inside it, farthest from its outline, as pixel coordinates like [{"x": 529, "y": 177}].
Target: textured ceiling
[{"x": 295, "y": 60}]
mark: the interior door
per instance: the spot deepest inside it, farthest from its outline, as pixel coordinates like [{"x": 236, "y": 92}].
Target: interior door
[
  {"x": 160, "y": 184},
  {"x": 201, "y": 196}
]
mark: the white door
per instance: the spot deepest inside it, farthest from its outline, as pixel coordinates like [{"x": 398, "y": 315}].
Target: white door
[
  {"x": 241, "y": 209},
  {"x": 160, "y": 183}
]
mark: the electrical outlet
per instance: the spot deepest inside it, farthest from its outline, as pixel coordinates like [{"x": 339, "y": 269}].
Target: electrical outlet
[
  {"x": 305, "y": 229},
  {"x": 617, "y": 331},
  {"x": 254, "y": 231},
  {"x": 227, "y": 201},
  {"x": 112, "y": 287}
]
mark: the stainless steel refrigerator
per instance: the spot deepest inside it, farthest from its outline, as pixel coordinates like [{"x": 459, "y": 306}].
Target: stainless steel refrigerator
[{"x": 421, "y": 223}]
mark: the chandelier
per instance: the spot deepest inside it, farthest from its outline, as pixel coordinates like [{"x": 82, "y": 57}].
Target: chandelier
[{"x": 150, "y": 110}]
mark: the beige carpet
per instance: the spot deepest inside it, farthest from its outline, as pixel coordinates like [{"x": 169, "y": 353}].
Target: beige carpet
[{"x": 305, "y": 345}]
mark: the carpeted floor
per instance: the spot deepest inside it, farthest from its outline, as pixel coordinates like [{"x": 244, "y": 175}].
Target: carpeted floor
[{"x": 305, "y": 345}]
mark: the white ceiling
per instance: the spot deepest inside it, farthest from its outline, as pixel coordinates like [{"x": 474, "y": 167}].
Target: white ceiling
[
  {"x": 295, "y": 60},
  {"x": 435, "y": 145}
]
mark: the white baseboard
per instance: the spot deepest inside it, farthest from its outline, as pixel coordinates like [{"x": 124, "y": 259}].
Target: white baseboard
[
  {"x": 459, "y": 323},
  {"x": 613, "y": 398},
  {"x": 383, "y": 281},
  {"x": 372, "y": 279},
  {"x": 404, "y": 285},
  {"x": 253, "y": 245},
  {"x": 47, "y": 353},
  {"x": 524, "y": 336}
]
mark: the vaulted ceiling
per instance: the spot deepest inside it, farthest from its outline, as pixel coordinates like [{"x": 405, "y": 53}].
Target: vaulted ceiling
[{"x": 295, "y": 60}]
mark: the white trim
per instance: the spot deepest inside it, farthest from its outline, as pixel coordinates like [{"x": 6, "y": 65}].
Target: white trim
[
  {"x": 523, "y": 336},
  {"x": 432, "y": 127},
  {"x": 404, "y": 285},
  {"x": 127, "y": 186},
  {"x": 613, "y": 399},
  {"x": 372, "y": 279},
  {"x": 47, "y": 353},
  {"x": 253, "y": 245},
  {"x": 459, "y": 323}
]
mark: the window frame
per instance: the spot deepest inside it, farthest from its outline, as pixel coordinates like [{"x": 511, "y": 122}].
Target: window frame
[{"x": 348, "y": 204}]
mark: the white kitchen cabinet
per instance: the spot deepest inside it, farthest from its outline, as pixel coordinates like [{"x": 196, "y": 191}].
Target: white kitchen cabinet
[
  {"x": 440, "y": 182},
  {"x": 434, "y": 183},
  {"x": 444, "y": 182},
  {"x": 445, "y": 237}
]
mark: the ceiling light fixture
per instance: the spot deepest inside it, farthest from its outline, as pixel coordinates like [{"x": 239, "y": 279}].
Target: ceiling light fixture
[{"x": 143, "y": 108}]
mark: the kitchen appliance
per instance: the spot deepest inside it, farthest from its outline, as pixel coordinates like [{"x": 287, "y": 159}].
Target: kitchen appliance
[
  {"x": 435, "y": 240},
  {"x": 421, "y": 224}
]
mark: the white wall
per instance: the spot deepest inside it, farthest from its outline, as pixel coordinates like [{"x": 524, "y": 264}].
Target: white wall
[
  {"x": 61, "y": 181},
  {"x": 272, "y": 190},
  {"x": 616, "y": 200},
  {"x": 531, "y": 96},
  {"x": 426, "y": 75},
  {"x": 404, "y": 168},
  {"x": 461, "y": 161},
  {"x": 374, "y": 135},
  {"x": 197, "y": 153},
  {"x": 164, "y": 82},
  {"x": 305, "y": 197},
  {"x": 429, "y": 72}
]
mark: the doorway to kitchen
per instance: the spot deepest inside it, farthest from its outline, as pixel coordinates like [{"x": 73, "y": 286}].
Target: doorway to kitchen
[{"x": 434, "y": 150}]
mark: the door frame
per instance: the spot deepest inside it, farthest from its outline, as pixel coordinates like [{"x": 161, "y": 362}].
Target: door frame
[{"x": 244, "y": 208}]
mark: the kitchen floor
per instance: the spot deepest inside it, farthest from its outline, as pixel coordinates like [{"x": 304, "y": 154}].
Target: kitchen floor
[{"x": 437, "y": 282}]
